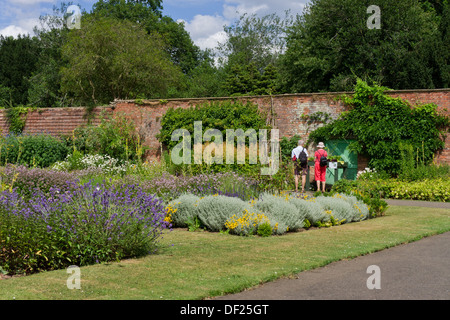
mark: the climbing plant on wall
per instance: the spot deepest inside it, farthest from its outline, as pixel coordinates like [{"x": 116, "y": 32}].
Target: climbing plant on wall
[
  {"x": 381, "y": 126},
  {"x": 215, "y": 115}
]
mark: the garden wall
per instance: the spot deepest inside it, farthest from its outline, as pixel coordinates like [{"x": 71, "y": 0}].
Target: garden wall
[{"x": 291, "y": 114}]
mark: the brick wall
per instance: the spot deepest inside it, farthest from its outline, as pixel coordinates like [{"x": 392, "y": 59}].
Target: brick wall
[{"x": 284, "y": 112}]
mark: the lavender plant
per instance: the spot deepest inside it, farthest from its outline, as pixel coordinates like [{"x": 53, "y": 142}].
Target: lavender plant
[
  {"x": 89, "y": 224},
  {"x": 29, "y": 180},
  {"x": 227, "y": 184}
]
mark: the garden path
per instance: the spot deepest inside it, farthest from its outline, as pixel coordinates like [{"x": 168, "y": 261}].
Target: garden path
[{"x": 413, "y": 271}]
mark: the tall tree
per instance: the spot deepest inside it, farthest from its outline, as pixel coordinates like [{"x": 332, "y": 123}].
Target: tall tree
[
  {"x": 18, "y": 60},
  {"x": 254, "y": 39},
  {"x": 148, "y": 14},
  {"x": 45, "y": 83},
  {"x": 111, "y": 59},
  {"x": 253, "y": 45},
  {"x": 331, "y": 45}
]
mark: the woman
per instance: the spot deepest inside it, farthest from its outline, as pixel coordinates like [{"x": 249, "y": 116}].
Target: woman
[{"x": 320, "y": 171}]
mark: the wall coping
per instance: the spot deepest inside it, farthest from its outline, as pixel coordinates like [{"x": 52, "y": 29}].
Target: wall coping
[{"x": 338, "y": 93}]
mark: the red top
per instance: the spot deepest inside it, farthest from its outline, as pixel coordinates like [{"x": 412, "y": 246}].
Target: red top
[{"x": 318, "y": 154}]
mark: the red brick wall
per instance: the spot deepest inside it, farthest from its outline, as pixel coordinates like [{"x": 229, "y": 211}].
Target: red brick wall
[{"x": 284, "y": 111}]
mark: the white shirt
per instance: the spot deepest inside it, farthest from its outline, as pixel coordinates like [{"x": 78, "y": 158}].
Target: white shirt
[{"x": 296, "y": 152}]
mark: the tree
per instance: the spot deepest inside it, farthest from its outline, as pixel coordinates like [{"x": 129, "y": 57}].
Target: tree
[
  {"x": 18, "y": 60},
  {"x": 253, "y": 45},
  {"x": 330, "y": 46},
  {"x": 45, "y": 83},
  {"x": 112, "y": 59},
  {"x": 182, "y": 50},
  {"x": 253, "y": 39},
  {"x": 247, "y": 80}
]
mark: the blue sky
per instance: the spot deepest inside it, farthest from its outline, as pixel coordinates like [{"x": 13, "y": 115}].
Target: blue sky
[{"x": 204, "y": 19}]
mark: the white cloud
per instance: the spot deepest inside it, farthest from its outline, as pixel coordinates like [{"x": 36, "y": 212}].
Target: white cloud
[
  {"x": 13, "y": 31},
  {"x": 262, "y": 7},
  {"x": 206, "y": 31}
]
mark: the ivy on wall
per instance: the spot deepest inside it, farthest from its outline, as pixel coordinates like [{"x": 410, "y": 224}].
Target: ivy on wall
[
  {"x": 16, "y": 118},
  {"x": 382, "y": 126},
  {"x": 215, "y": 115}
]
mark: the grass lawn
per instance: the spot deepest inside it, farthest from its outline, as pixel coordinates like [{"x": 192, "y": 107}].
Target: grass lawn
[{"x": 198, "y": 265}]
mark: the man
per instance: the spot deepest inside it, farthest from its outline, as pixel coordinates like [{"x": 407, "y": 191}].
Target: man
[{"x": 299, "y": 153}]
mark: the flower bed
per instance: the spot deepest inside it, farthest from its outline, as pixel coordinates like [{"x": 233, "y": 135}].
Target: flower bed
[
  {"x": 88, "y": 224},
  {"x": 229, "y": 183},
  {"x": 437, "y": 189},
  {"x": 280, "y": 214}
]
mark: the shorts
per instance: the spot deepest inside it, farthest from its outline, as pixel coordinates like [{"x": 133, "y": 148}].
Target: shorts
[
  {"x": 298, "y": 170},
  {"x": 320, "y": 172}
]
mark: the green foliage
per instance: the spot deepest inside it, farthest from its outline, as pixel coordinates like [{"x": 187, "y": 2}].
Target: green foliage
[
  {"x": 216, "y": 115},
  {"x": 428, "y": 183},
  {"x": 249, "y": 57},
  {"x": 45, "y": 82},
  {"x": 278, "y": 209},
  {"x": 114, "y": 136},
  {"x": 213, "y": 211},
  {"x": 264, "y": 229},
  {"x": 40, "y": 150},
  {"x": 194, "y": 224},
  {"x": 148, "y": 14},
  {"x": 16, "y": 117},
  {"x": 115, "y": 59},
  {"x": 18, "y": 60},
  {"x": 330, "y": 46},
  {"x": 383, "y": 127},
  {"x": 286, "y": 147},
  {"x": 422, "y": 172},
  {"x": 185, "y": 210},
  {"x": 254, "y": 40},
  {"x": 247, "y": 80}
]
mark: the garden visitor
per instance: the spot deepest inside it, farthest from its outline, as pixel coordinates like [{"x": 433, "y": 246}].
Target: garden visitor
[
  {"x": 300, "y": 157},
  {"x": 320, "y": 169}
]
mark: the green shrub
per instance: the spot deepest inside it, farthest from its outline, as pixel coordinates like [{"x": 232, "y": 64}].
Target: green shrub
[
  {"x": 218, "y": 115},
  {"x": 85, "y": 225},
  {"x": 280, "y": 210},
  {"x": 264, "y": 229},
  {"x": 426, "y": 190},
  {"x": 248, "y": 222},
  {"x": 40, "y": 150},
  {"x": 395, "y": 132},
  {"x": 213, "y": 211},
  {"x": 114, "y": 136},
  {"x": 313, "y": 211},
  {"x": 186, "y": 209}
]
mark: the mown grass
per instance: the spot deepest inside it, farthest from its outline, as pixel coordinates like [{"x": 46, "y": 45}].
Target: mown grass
[{"x": 198, "y": 265}]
